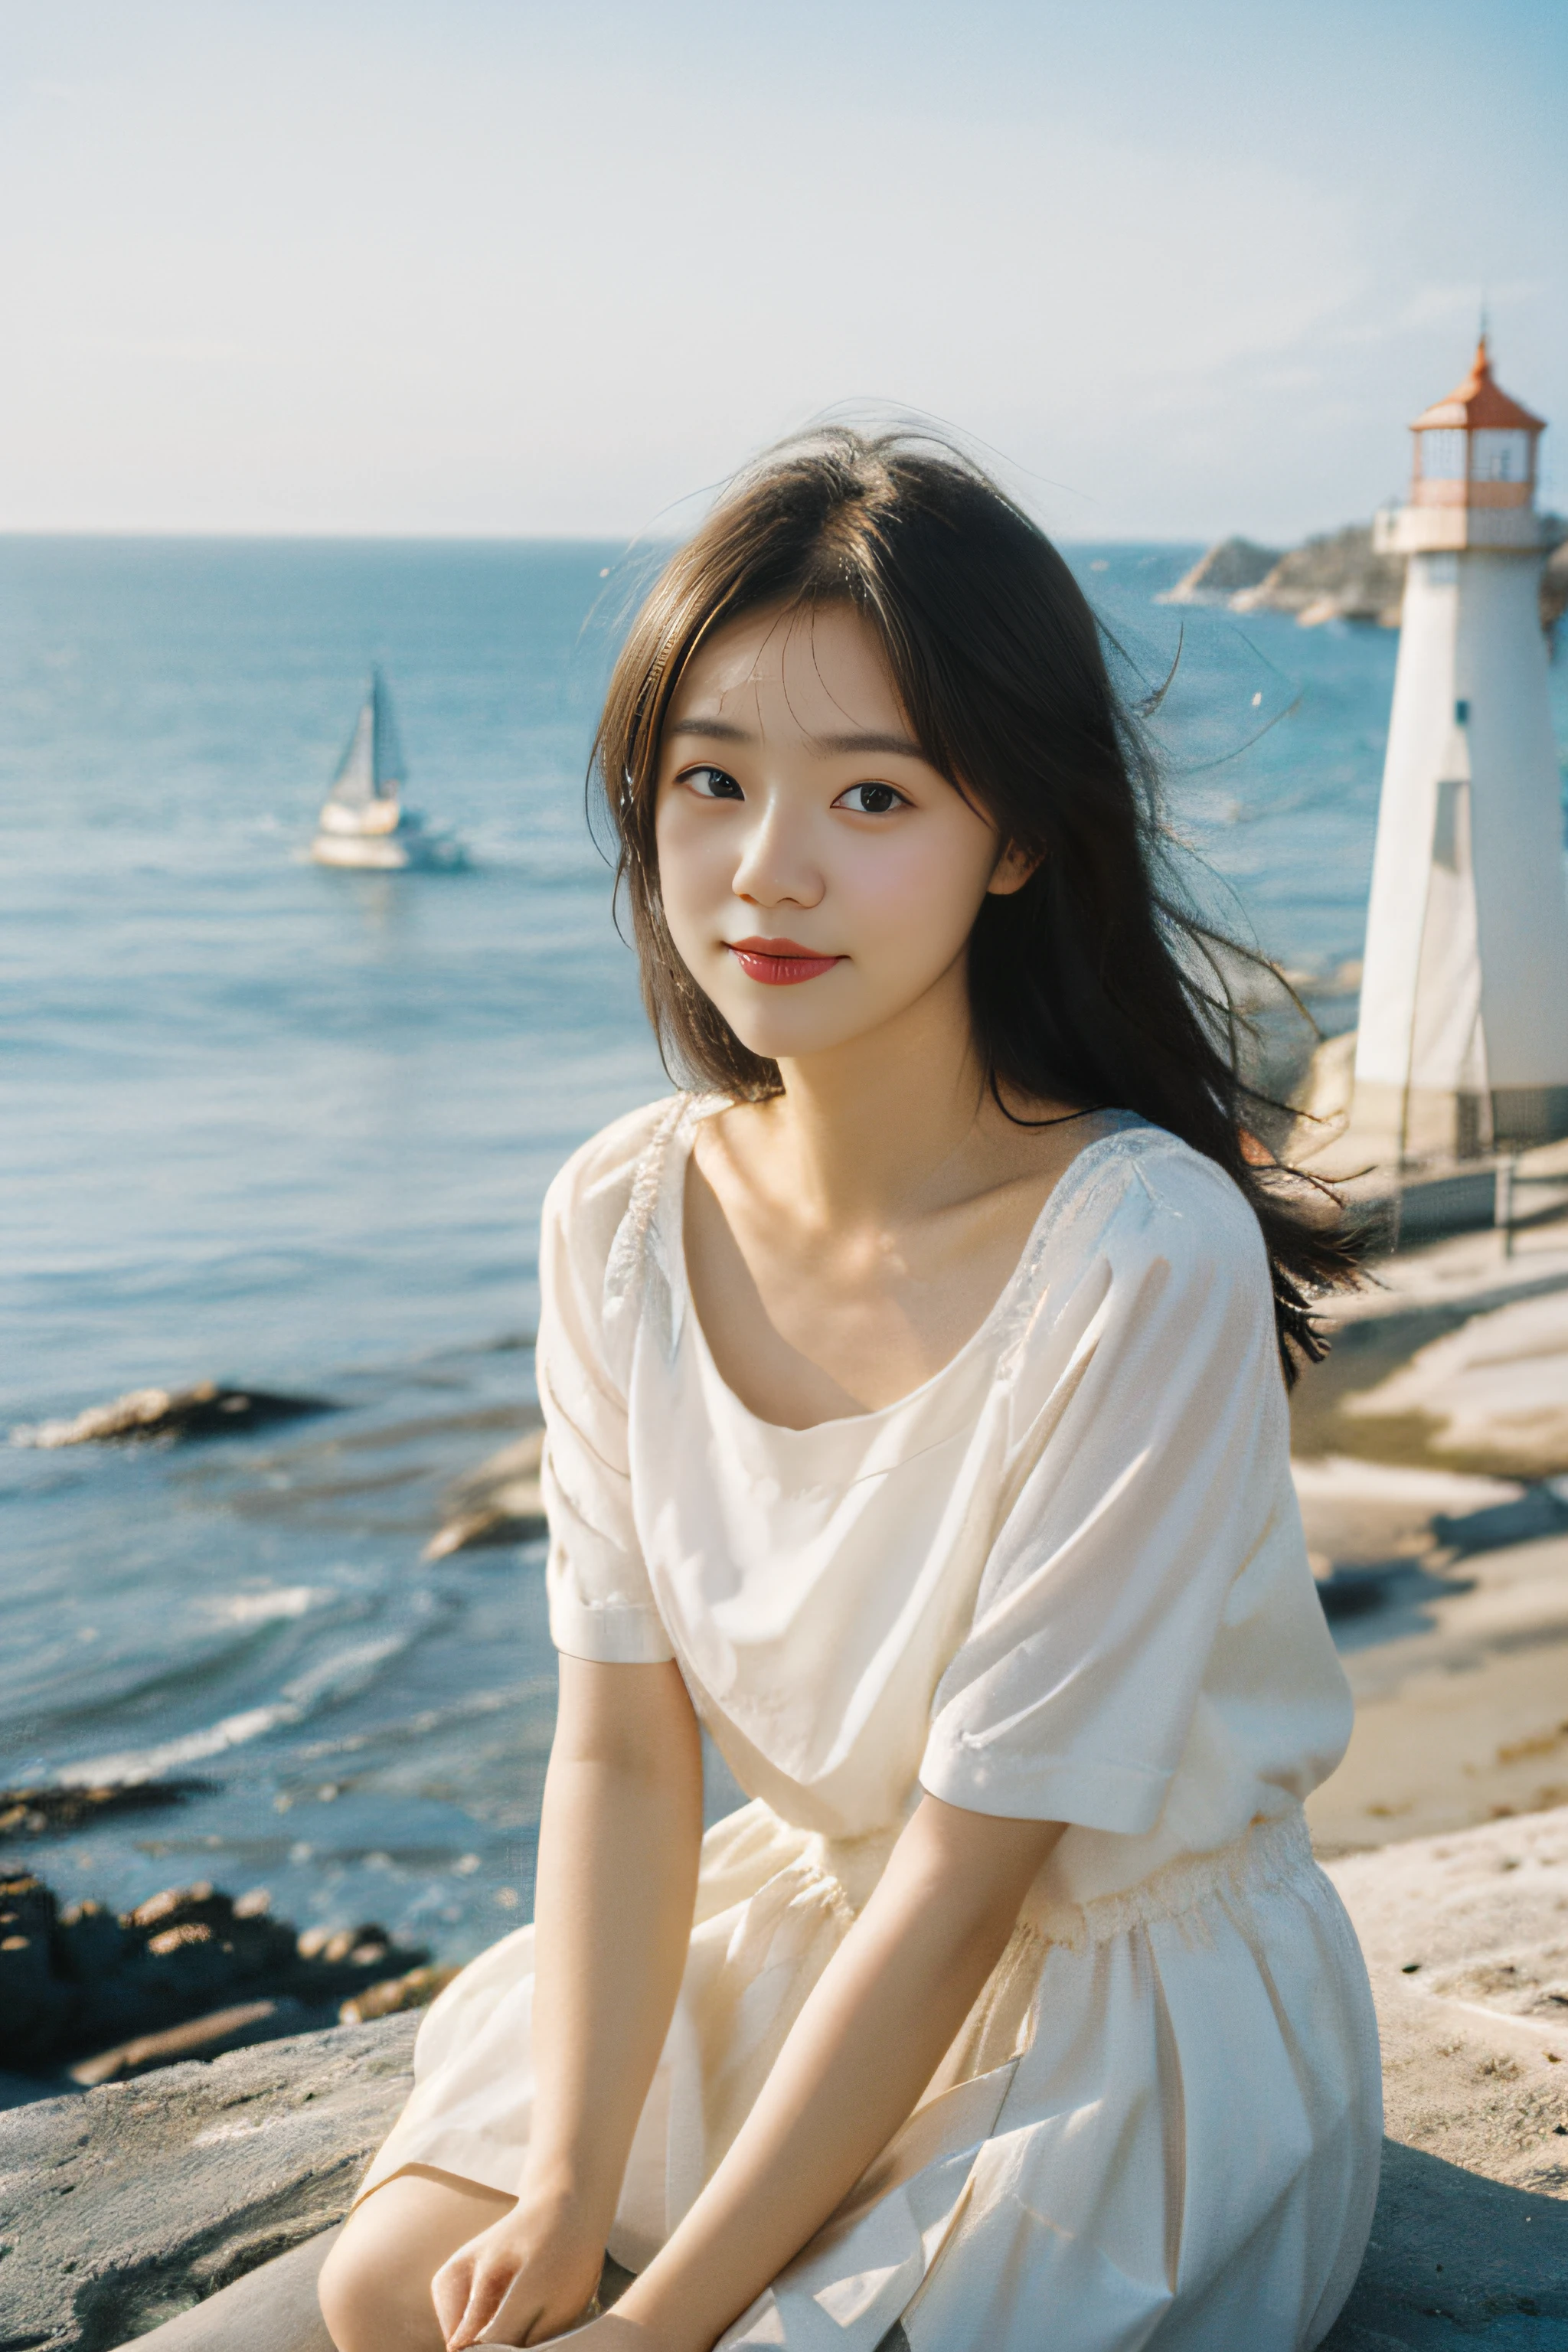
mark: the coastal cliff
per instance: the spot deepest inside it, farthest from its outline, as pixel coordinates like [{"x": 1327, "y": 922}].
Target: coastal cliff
[{"x": 1336, "y": 576}]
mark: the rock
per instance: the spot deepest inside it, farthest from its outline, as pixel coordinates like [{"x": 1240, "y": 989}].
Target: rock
[
  {"x": 202, "y": 2037},
  {"x": 417, "y": 1990},
  {"x": 1336, "y": 576},
  {"x": 122, "y": 2206},
  {"x": 1230, "y": 565},
  {"x": 1456, "y": 2259},
  {"x": 37, "y": 2005},
  {"x": 1322, "y": 1096},
  {"x": 498, "y": 1503},
  {"x": 204, "y": 1410},
  {"x": 1466, "y": 1939},
  {"x": 274, "y": 2309},
  {"x": 53, "y": 1811},
  {"x": 1491, "y": 1398},
  {"x": 1554, "y": 587},
  {"x": 1464, "y": 1944},
  {"x": 82, "y": 1985}
]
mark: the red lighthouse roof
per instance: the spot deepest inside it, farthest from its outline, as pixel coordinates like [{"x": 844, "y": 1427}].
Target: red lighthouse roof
[{"x": 1479, "y": 402}]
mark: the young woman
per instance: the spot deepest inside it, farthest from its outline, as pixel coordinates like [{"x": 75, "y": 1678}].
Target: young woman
[{"x": 915, "y": 1400}]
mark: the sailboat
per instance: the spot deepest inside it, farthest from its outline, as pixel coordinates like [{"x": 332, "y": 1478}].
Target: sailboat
[{"x": 364, "y": 822}]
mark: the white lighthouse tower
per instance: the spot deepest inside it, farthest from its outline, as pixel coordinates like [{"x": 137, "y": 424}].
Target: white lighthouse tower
[{"x": 1463, "y": 1043}]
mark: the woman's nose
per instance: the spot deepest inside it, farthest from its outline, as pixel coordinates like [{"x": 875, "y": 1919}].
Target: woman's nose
[{"x": 776, "y": 865}]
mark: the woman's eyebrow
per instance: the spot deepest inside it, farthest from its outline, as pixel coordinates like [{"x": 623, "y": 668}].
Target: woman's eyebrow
[
  {"x": 717, "y": 731},
  {"x": 899, "y": 745},
  {"x": 720, "y": 730}
]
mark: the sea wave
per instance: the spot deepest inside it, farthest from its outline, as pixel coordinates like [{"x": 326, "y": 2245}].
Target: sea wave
[
  {"x": 264, "y": 1608},
  {"x": 139, "y": 1764},
  {"x": 339, "y": 1676}
]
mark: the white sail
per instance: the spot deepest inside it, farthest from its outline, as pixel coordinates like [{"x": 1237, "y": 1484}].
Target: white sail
[
  {"x": 371, "y": 767},
  {"x": 386, "y": 762},
  {"x": 364, "y": 794},
  {"x": 362, "y": 821}
]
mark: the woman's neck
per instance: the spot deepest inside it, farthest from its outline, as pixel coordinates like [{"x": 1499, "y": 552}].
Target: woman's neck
[
  {"x": 887, "y": 1122},
  {"x": 846, "y": 1238}
]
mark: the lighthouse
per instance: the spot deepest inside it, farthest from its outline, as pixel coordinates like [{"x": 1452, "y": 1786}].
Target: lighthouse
[{"x": 1463, "y": 1042}]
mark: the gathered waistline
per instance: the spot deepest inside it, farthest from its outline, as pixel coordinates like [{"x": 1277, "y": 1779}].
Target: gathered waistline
[{"x": 1266, "y": 1854}]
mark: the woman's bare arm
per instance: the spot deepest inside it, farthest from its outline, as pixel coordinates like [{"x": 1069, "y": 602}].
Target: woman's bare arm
[
  {"x": 618, "y": 1841},
  {"x": 866, "y": 2044}
]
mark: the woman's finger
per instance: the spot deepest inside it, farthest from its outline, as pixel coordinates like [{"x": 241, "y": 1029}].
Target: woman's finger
[
  {"x": 467, "y": 2292},
  {"x": 450, "y": 2290},
  {"x": 485, "y": 2313}
]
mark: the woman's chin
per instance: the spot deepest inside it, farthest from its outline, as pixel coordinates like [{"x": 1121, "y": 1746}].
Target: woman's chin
[{"x": 789, "y": 1035}]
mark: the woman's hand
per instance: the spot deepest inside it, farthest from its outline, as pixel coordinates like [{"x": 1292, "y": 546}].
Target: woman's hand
[
  {"x": 526, "y": 2278},
  {"x": 870, "y": 2036}
]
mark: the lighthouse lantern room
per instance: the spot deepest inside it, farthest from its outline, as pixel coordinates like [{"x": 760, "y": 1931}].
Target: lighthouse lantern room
[{"x": 1463, "y": 1042}]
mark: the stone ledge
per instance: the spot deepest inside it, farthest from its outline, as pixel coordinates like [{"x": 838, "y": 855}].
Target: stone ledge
[
  {"x": 1466, "y": 1939},
  {"x": 125, "y": 2206}
]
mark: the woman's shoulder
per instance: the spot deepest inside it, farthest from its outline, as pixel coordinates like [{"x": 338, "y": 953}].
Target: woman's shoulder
[
  {"x": 589, "y": 1198},
  {"x": 1148, "y": 1248},
  {"x": 1138, "y": 1191}
]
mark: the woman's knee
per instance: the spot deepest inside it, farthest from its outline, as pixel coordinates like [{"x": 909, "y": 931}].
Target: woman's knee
[
  {"x": 372, "y": 2297},
  {"x": 374, "y": 2285}
]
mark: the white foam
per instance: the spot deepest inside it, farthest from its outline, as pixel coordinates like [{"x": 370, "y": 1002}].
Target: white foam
[
  {"x": 261, "y": 1607},
  {"x": 342, "y": 1673},
  {"x": 150, "y": 1763}
]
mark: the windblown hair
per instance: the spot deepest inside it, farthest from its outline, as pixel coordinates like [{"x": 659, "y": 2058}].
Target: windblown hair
[{"x": 1094, "y": 985}]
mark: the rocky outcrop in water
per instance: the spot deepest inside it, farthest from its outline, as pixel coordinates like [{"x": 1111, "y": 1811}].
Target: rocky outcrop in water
[
  {"x": 1229, "y": 566},
  {"x": 188, "y": 1972},
  {"x": 53, "y": 1811},
  {"x": 498, "y": 1503},
  {"x": 1336, "y": 576},
  {"x": 204, "y": 1410}
]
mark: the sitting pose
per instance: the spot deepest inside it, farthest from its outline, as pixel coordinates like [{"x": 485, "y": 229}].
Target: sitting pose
[{"x": 915, "y": 1398}]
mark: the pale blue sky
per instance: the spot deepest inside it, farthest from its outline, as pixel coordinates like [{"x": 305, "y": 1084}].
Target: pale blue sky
[{"x": 455, "y": 266}]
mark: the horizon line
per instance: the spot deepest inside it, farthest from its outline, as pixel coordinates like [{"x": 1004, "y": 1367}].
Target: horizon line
[{"x": 625, "y": 540}]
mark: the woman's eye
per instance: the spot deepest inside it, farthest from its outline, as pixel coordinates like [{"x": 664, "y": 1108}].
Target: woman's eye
[
  {"x": 712, "y": 784},
  {"x": 870, "y": 800}
]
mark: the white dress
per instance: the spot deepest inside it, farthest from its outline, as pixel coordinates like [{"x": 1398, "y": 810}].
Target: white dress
[{"x": 1064, "y": 1579}]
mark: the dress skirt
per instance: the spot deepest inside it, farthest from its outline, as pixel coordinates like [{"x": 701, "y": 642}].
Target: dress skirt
[{"x": 1160, "y": 2125}]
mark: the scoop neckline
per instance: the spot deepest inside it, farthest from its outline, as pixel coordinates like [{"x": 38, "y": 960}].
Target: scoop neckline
[{"x": 674, "y": 1193}]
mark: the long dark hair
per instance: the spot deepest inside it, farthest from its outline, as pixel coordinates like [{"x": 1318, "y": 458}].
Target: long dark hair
[{"x": 1095, "y": 983}]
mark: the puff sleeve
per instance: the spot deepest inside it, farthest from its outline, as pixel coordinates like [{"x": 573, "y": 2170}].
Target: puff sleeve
[
  {"x": 1140, "y": 1492},
  {"x": 602, "y": 1605}
]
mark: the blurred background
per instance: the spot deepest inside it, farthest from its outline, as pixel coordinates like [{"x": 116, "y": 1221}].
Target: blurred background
[{"x": 403, "y": 336}]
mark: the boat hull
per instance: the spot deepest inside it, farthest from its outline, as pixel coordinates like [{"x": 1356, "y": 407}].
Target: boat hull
[{"x": 375, "y": 853}]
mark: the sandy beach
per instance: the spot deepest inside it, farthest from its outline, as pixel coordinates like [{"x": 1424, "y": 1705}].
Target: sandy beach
[{"x": 1431, "y": 1455}]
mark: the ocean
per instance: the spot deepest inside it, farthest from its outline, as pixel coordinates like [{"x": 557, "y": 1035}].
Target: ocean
[{"x": 291, "y": 1127}]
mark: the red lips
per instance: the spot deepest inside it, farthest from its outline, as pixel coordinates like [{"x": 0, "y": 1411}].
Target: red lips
[{"x": 779, "y": 963}]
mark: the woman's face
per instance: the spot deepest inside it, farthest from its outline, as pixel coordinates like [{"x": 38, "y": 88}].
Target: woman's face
[{"x": 819, "y": 876}]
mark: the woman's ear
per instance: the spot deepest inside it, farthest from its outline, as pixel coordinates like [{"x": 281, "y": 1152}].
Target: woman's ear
[{"x": 1012, "y": 869}]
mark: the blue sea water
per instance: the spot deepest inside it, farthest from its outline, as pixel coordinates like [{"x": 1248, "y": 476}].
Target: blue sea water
[{"x": 292, "y": 1128}]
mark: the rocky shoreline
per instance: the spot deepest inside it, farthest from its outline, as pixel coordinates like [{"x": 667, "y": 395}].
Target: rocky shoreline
[
  {"x": 1335, "y": 576},
  {"x": 88, "y": 1998},
  {"x": 129, "y": 2205}
]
